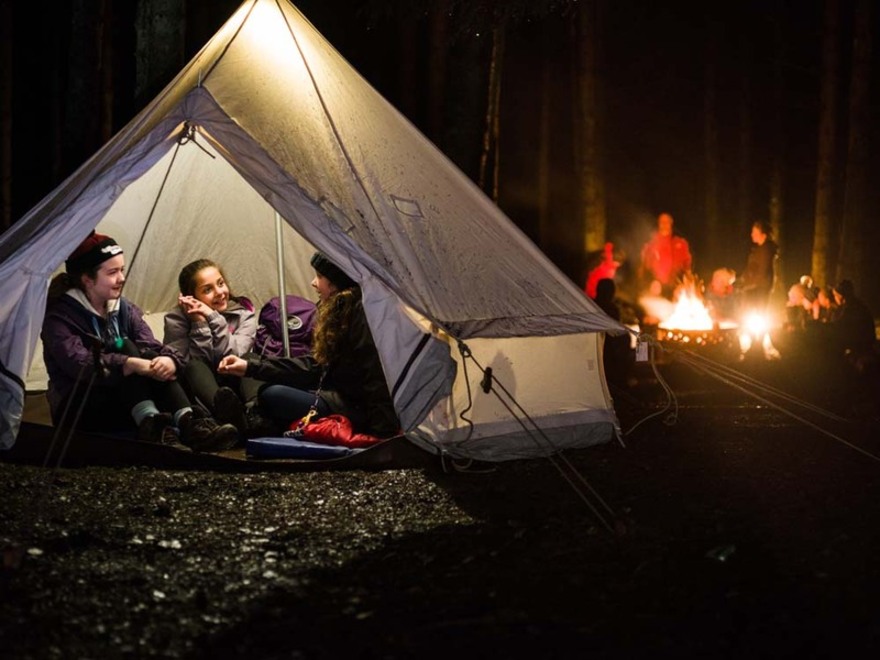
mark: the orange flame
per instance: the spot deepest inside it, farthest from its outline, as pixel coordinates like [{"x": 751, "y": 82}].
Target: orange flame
[{"x": 689, "y": 314}]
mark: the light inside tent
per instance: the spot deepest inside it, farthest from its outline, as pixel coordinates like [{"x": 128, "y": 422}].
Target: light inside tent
[{"x": 268, "y": 31}]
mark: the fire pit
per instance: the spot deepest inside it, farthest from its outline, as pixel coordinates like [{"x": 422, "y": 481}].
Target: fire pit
[
  {"x": 714, "y": 336},
  {"x": 690, "y": 325},
  {"x": 720, "y": 343}
]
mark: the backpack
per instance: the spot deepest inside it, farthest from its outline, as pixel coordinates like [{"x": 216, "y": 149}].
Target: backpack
[{"x": 300, "y": 321}]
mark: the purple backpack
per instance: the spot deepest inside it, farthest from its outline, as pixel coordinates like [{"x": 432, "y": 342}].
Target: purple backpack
[{"x": 300, "y": 321}]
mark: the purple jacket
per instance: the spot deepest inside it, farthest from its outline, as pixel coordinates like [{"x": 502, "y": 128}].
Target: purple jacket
[{"x": 76, "y": 340}]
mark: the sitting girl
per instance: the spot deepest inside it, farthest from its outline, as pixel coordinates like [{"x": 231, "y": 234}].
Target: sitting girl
[
  {"x": 91, "y": 334},
  {"x": 209, "y": 324},
  {"x": 342, "y": 375}
]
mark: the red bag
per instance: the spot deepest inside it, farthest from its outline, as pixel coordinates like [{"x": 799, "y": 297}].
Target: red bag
[{"x": 335, "y": 430}]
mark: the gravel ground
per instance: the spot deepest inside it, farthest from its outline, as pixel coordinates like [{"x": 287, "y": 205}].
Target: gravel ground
[{"x": 738, "y": 532}]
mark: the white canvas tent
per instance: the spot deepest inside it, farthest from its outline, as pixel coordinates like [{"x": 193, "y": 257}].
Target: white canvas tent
[{"x": 268, "y": 121}]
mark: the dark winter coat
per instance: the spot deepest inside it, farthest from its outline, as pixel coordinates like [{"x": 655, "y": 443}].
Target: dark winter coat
[
  {"x": 853, "y": 329},
  {"x": 354, "y": 385},
  {"x": 759, "y": 274}
]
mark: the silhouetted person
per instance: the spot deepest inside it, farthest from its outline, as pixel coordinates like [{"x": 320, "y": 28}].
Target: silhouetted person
[
  {"x": 607, "y": 268},
  {"x": 759, "y": 274},
  {"x": 719, "y": 294},
  {"x": 617, "y": 356},
  {"x": 852, "y": 330}
]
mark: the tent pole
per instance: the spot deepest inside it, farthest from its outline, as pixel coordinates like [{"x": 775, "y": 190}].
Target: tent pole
[{"x": 282, "y": 293}]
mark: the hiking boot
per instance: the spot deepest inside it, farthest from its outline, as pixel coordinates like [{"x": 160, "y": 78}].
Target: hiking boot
[
  {"x": 259, "y": 426},
  {"x": 158, "y": 429},
  {"x": 228, "y": 409},
  {"x": 202, "y": 433}
]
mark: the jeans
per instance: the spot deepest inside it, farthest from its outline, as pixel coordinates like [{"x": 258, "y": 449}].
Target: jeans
[{"x": 287, "y": 404}]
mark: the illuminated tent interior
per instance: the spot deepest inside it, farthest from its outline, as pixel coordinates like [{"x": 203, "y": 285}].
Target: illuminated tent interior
[{"x": 267, "y": 145}]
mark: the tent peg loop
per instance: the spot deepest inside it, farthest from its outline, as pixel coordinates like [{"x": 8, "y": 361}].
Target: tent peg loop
[
  {"x": 188, "y": 133},
  {"x": 486, "y": 383}
]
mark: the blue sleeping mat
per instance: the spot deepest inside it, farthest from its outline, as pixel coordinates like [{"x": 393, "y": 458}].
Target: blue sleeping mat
[{"x": 294, "y": 448}]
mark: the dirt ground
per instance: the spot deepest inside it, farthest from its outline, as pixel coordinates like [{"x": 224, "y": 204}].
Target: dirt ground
[{"x": 738, "y": 531}]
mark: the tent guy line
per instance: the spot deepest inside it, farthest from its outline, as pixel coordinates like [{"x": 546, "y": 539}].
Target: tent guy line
[
  {"x": 187, "y": 133},
  {"x": 765, "y": 394}
]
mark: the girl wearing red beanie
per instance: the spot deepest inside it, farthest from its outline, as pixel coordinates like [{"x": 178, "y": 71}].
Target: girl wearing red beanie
[{"x": 91, "y": 334}]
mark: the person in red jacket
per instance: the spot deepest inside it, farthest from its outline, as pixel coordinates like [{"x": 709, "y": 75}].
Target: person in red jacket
[
  {"x": 606, "y": 269},
  {"x": 666, "y": 258}
]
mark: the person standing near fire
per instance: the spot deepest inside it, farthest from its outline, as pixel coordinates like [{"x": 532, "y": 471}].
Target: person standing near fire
[
  {"x": 666, "y": 258},
  {"x": 759, "y": 275},
  {"x": 605, "y": 269}
]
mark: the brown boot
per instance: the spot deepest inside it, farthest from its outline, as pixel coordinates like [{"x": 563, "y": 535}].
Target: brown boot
[
  {"x": 202, "y": 433},
  {"x": 158, "y": 429}
]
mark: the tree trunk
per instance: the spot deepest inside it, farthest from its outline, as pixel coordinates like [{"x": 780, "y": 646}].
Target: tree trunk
[
  {"x": 490, "y": 153},
  {"x": 545, "y": 231},
  {"x": 821, "y": 266},
  {"x": 159, "y": 52},
  {"x": 464, "y": 118},
  {"x": 850, "y": 261},
  {"x": 496, "y": 134},
  {"x": 744, "y": 180},
  {"x": 407, "y": 76},
  {"x": 778, "y": 147},
  {"x": 589, "y": 82},
  {"x": 6, "y": 33},
  {"x": 438, "y": 21},
  {"x": 105, "y": 33},
  {"x": 81, "y": 119},
  {"x": 711, "y": 154}
]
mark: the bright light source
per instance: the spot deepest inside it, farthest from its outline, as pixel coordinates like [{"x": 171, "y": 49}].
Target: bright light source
[
  {"x": 770, "y": 351},
  {"x": 268, "y": 34},
  {"x": 634, "y": 335},
  {"x": 756, "y": 332},
  {"x": 756, "y": 324}
]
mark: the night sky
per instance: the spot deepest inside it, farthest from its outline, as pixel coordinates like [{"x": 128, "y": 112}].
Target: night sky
[{"x": 653, "y": 71}]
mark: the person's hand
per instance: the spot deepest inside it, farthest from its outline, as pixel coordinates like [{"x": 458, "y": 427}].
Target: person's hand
[
  {"x": 162, "y": 368},
  {"x": 194, "y": 308},
  {"x": 137, "y": 366},
  {"x": 232, "y": 365}
]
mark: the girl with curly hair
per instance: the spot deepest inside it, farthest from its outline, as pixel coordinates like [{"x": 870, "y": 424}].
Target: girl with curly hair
[{"x": 342, "y": 374}]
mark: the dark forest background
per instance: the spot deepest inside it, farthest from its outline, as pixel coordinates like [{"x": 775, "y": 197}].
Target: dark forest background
[{"x": 583, "y": 119}]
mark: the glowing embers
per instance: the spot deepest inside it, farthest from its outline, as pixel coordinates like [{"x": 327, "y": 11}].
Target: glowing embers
[{"x": 711, "y": 337}]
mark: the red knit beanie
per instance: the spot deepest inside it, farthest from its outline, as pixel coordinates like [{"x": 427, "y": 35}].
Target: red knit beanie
[{"x": 92, "y": 252}]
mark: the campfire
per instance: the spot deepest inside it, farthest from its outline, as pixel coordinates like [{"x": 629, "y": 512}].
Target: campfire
[
  {"x": 692, "y": 323},
  {"x": 688, "y": 321}
]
